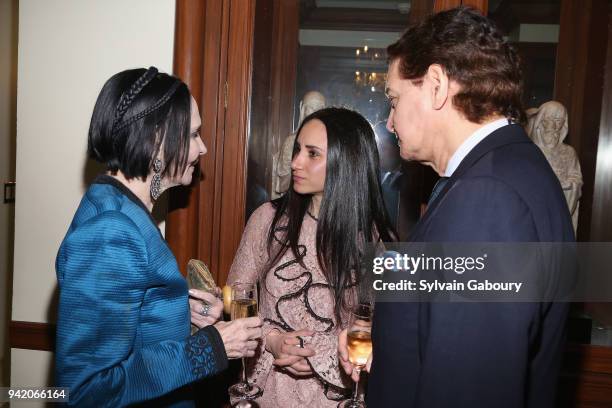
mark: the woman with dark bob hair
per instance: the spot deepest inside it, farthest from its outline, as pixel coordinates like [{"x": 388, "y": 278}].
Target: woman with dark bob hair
[
  {"x": 304, "y": 248},
  {"x": 123, "y": 328}
]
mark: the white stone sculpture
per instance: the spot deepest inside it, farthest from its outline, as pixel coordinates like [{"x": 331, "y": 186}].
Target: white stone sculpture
[{"x": 548, "y": 130}]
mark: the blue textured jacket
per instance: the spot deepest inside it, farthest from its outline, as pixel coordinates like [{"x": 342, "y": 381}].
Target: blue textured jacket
[{"x": 123, "y": 331}]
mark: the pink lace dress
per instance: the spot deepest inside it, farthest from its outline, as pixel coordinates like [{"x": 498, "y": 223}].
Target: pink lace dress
[{"x": 292, "y": 298}]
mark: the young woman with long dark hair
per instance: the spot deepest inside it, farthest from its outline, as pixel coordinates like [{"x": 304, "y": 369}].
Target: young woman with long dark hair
[{"x": 304, "y": 248}]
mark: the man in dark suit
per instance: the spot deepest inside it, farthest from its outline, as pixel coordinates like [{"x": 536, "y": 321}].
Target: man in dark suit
[{"x": 455, "y": 90}]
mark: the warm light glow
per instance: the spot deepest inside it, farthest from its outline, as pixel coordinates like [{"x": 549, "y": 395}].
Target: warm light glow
[
  {"x": 357, "y": 52},
  {"x": 365, "y": 48},
  {"x": 372, "y": 81}
]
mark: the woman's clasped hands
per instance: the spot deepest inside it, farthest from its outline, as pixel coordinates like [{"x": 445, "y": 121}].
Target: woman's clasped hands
[{"x": 290, "y": 352}]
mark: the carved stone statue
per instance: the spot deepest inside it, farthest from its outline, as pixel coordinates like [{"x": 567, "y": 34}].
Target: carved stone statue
[
  {"x": 549, "y": 129},
  {"x": 311, "y": 102}
]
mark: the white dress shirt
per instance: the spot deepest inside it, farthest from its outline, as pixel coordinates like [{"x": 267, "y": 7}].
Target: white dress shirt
[{"x": 471, "y": 142}]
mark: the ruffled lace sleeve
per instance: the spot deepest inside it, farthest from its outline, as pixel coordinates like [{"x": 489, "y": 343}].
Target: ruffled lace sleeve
[
  {"x": 251, "y": 257},
  {"x": 325, "y": 362},
  {"x": 259, "y": 367}
]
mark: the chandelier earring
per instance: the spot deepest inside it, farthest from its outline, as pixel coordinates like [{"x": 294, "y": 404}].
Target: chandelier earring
[{"x": 156, "y": 179}]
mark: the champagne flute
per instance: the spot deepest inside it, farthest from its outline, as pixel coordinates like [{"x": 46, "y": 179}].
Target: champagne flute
[
  {"x": 244, "y": 304},
  {"x": 359, "y": 344}
]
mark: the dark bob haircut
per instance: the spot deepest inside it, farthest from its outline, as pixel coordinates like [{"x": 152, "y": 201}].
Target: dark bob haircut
[
  {"x": 137, "y": 112},
  {"x": 473, "y": 52},
  {"x": 352, "y": 210}
]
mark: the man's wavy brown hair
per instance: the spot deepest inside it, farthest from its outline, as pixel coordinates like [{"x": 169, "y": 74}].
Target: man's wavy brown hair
[{"x": 473, "y": 53}]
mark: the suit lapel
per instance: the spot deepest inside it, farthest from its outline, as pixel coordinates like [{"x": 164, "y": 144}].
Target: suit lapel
[{"x": 501, "y": 137}]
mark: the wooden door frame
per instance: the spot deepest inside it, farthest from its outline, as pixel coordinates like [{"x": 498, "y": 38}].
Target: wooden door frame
[
  {"x": 579, "y": 80},
  {"x": 601, "y": 222},
  {"x": 213, "y": 55},
  {"x": 481, "y": 5}
]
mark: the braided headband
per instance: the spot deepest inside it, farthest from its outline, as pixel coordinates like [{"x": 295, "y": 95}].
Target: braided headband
[{"x": 128, "y": 97}]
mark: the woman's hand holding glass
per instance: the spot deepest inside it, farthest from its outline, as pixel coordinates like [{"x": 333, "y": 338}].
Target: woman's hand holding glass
[
  {"x": 244, "y": 304},
  {"x": 290, "y": 352},
  {"x": 343, "y": 356},
  {"x": 206, "y": 308},
  {"x": 240, "y": 336},
  {"x": 358, "y": 347}
]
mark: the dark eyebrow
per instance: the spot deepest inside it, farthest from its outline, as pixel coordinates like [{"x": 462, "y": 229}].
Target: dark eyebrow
[
  {"x": 314, "y": 147},
  {"x": 196, "y": 131}
]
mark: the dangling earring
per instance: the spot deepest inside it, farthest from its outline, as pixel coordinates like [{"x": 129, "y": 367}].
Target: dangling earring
[{"x": 156, "y": 179}]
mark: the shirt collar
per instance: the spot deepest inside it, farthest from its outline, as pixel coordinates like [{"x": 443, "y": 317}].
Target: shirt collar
[{"x": 471, "y": 142}]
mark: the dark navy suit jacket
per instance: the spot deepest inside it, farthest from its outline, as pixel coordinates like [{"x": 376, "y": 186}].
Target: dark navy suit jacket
[{"x": 471, "y": 355}]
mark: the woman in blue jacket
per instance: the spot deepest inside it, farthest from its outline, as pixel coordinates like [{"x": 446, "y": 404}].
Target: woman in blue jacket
[{"x": 123, "y": 328}]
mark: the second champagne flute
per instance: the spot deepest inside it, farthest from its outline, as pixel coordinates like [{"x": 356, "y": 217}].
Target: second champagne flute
[
  {"x": 359, "y": 344},
  {"x": 244, "y": 304}
]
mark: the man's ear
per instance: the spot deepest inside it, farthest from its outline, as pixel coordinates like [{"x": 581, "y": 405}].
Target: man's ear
[{"x": 439, "y": 85}]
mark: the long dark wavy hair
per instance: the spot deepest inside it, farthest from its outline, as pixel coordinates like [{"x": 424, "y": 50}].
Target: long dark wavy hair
[{"x": 352, "y": 210}]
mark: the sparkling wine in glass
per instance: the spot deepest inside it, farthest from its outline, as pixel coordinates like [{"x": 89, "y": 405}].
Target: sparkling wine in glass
[
  {"x": 359, "y": 344},
  {"x": 242, "y": 308},
  {"x": 244, "y": 304}
]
